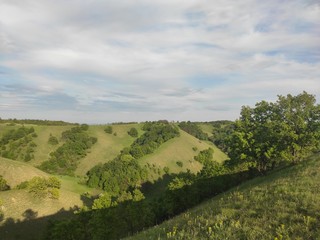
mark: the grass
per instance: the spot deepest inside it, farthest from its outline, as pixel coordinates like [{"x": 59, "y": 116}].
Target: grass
[
  {"x": 43, "y": 148},
  {"x": 281, "y": 205},
  {"x": 108, "y": 145},
  {"x": 15, "y": 202},
  {"x": 16, "y": 172},
  {"x": 180, "y": 149},
  {"x": 206, "y": 128}
]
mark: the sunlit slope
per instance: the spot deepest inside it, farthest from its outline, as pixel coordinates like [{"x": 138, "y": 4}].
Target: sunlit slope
[
  {"x": 16, "y": 172},
  {"x": 108, "y": 146},
  {"x": 206, "y": 128},
  {"x": 43, "y": 148},
  {"x": 16, "y": 202},
  {"x": 182, "y": 148},
  {"x": 282, "y": 205}
]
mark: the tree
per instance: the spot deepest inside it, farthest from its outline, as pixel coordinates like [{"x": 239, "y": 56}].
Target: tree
[
  {"x": 270, "y": 132},
  {"x": 133, "y": 132}
]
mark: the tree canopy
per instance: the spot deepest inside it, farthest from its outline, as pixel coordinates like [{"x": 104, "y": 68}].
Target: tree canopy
[{"x": 271, "y": 132}]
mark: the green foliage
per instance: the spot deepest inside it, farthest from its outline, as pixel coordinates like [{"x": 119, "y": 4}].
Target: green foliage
[
  {"x": 179, "y": 164},
  {"x": 204, "y": 156},
  {"x": 17, "y": 144},
  {"x": 65, "y": 159},
  {"x": 108, "y": 130},
  {"x": 41, "y": 187},
  {"x": 222, "y": 130},
  {"x": 53, "y": 140},
  {"x": 133, "y": 132},
  {"x": 117, "y": 176},
  {"x": 270, "y": 132},
  {"x": 3, "y": 184},
  {"x": 104, "y": 201},
  {"x": 166, "y": 169},
  {"x": 194, "y": 130}
]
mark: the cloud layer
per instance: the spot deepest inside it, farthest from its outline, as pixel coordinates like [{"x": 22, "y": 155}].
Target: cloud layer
[{"x": 96, "y": 62}]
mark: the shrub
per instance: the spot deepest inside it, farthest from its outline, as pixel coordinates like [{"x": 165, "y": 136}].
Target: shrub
[
  {"x": 3, "y": 184},
  {"x": 108, "y": 129},
  {"x": 133, "y": 132},
  {"x": 179, "y": 163},
  {"x": 53, "y": 140}
]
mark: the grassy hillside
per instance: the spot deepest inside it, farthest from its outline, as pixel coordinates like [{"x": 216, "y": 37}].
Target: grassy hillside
[
  {"x": 16, "y": 172},
  {"x": 15, "y": 202},
  {"x": 282, "y": 205},
  {"x": 43, "y": 148},
  {"x": 108, "y": 145},
  {"x": 180, "y": 149},
  {"x": 206, "y": 128}
]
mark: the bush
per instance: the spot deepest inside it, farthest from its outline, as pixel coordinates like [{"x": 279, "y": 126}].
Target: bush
[
  {"x": 3, "y": 184},
  {"x": 179, "y": 163},
  {"x": 53, "y": 140},
  {"x": 133, "y": 132},
  {"x": 108, "y": 129},
  {"x": 41, "y": 187}
]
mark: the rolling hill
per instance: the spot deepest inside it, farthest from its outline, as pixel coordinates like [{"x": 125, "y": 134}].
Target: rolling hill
[
  {"x": 282, "y": 205},
  {"x": 19, "y": 205}
]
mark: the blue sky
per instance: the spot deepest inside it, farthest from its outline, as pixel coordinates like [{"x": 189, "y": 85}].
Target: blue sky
[{"x": 105, "y": 61}]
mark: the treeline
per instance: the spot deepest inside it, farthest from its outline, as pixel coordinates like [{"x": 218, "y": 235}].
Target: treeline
[
  {"x": 36, "y": 122},
  {"x": 65, "y": 158},
  {"x": 17, "y": 144},
  {"x": 124, "y": 171},
  {"x": 193, "y": 129}
]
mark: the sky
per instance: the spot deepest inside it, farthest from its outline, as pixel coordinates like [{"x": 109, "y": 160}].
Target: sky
[{"x": 140, "y": 60}]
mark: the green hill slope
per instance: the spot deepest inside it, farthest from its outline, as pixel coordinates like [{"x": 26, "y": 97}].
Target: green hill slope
[
  {"x": 16, "y": 172},
  {"x": 108, "y": 146},
  {"x": 181, "y": 149},
  {"x": 16, "y": 202},
  {"x": 282, "y": 205}
]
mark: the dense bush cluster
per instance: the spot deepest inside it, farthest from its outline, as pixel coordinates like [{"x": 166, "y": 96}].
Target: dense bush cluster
[
  {"x": 222, "y": 130},
  {"x": 193, "y": 129},
  {"x": 17, "y": 144},
  {"x": 65, "y": 159},
  {"x": 41, "y": 187}
]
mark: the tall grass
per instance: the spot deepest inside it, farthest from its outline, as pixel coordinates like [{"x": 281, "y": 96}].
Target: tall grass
[{"x": 283, "y": 205}]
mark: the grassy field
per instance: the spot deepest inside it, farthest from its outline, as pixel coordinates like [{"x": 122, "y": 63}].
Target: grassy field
[
  {"x": 180, "y": 149},
  {"x": 108, "y": 145},
  {"x": 281, "y": 205}
]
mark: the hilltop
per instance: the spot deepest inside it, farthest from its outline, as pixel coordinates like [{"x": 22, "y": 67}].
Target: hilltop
[{"x": 282, "y": 205}]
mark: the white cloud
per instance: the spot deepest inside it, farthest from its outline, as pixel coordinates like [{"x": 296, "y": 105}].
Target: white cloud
[{"x": 90, "y": 50}]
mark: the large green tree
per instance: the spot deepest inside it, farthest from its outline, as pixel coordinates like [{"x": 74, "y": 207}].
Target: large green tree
[{"x": 271, "y": 132}]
